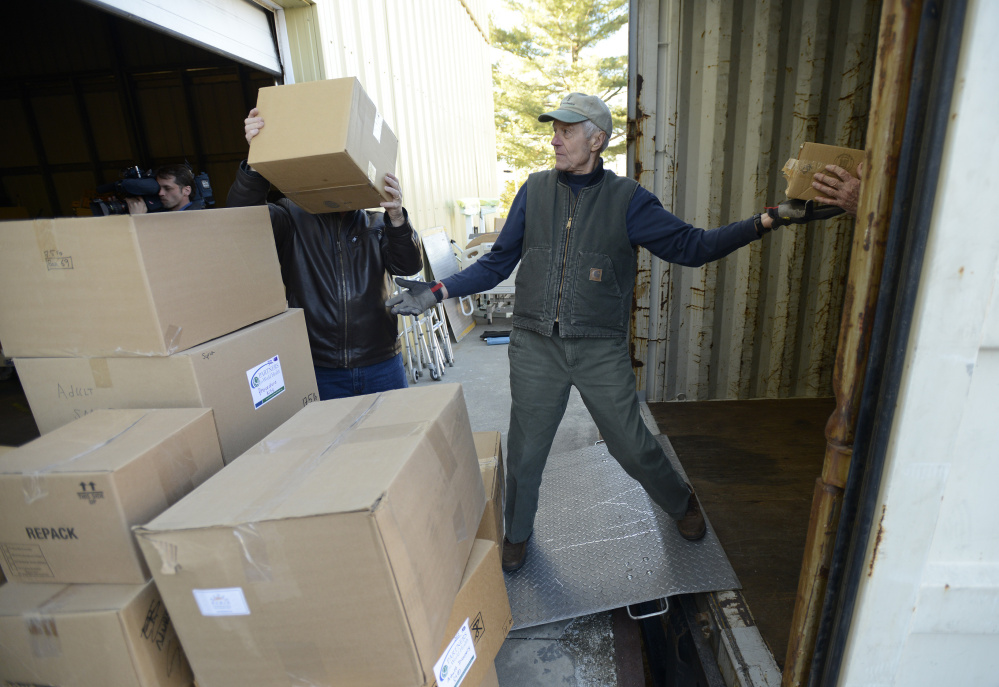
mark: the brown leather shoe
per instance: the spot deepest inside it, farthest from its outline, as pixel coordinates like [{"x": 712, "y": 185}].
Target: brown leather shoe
[
  {"x": 514, "y": 555},
  {"x": 691, "y": 526}
]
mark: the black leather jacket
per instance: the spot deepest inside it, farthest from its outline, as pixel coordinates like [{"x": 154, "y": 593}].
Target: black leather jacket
[{"x": 334, "y": 267}]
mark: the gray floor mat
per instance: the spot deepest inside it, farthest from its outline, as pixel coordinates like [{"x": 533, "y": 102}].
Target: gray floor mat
[{"x": 600, "y": 543}]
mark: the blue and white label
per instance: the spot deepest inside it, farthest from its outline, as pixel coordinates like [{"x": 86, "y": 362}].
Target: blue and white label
[
  {"x": 454, "y": 664},
  {"x": 217, "y": 602},
  {"x": 266, "y": 381}
]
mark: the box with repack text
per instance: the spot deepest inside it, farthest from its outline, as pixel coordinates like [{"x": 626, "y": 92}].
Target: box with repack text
[
  {"x": 148, "y": 285},
  {"x": 82, "y": 635},
  {"x": 331, "y": 550},
  {"x": 324, "y": 144},
  {"x": 69, "y": 498},
  {"x": 254, "y": 379}
]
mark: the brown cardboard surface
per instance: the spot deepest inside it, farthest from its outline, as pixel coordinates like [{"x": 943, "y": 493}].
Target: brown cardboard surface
[
  {"x": 812, "y": 158},
  {"x": 211, "y": 375},
  {"x": 68, "y": 499},
  {"x": 490, "y": 679},
  {"x": 148, "y": 285},
  {"x": 343, "y": 535},
  {"x": 483, "y": 602},
  {"x": 489, "y": 449},
  {"x": 324, "y": 144},
  {"x": 95, "y": 634}
]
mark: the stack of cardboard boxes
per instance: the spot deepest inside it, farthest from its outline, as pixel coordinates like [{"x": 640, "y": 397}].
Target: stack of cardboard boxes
[
  {"x": 169, "y": 310},
  {"x": 79, "y": 608},
  {"x": 354, "y": 542},
  {"x": 341, "y": 550}
]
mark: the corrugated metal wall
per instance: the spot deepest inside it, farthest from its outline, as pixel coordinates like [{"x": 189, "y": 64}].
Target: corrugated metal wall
[
  {"x": 722, "y": 93},
  {"x": 427, "y": 65}
]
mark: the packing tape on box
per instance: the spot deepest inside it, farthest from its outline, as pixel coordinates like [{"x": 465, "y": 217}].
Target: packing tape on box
[
  {"x": 33, "y": 483},
  {"x": 256, "y": 561},
  {"x": 172, "y": 338},
  {"x": 43, "y": 634},
  {"x": 101, "y": 373}
]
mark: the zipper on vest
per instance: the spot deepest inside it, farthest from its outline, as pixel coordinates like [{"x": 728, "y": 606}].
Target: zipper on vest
[{"x": 565, "y": 250}]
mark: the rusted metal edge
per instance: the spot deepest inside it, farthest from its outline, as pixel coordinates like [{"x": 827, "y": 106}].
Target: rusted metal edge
[{"x": 743, "y": 657}]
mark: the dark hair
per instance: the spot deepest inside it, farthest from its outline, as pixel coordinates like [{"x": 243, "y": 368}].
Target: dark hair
[{"x": 182, "y": 175}]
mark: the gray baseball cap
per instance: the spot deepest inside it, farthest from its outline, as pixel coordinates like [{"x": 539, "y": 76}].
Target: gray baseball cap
[{"x": 578, "y": 107}]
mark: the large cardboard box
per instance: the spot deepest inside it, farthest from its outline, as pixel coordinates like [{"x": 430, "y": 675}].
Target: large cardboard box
[
  {"x": 481, "y": 602},
  {"x": 812, "y": 158},
  {"x": 135, "y": 286},
  {"x": 68, "y": 499},
  {"x": 324, "y": 144},
  {"x": 489, "y": 449},
  {"x": 332, "y": 550},
  {"x": 112, "y": 635},
  {"x": 226, "y": 374}
]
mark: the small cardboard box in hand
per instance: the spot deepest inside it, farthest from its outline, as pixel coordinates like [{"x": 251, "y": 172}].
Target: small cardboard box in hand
[{"x": 812, "y": 158}]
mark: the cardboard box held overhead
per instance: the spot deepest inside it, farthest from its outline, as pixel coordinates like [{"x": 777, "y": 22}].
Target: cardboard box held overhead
[
  {"x": 147, "y": 285},
  {"x": 112, "y": 635},
  {"x": 254, "y": 379},
  {"x": 324, "y": 144},
  {"x": 812, "y": 158},
  {"x": 489, "y": 449},
  {"x": 68, "y": 499},
  {"x": 332, "y": 550}
]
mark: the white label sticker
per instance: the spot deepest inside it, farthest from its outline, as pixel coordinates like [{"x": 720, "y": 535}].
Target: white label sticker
[
  {"x": 453, "y": 665},
  {"x": 266, "y": 381},
  {"x": 221, "y": 601},
  {"x": 371, "y": 172},
  {"x": 378, "y": 126}
]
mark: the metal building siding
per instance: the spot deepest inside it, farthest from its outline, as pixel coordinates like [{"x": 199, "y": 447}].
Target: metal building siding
[
  {"x": 723, "y": 93},
  {"x": 427, "y": 65}
]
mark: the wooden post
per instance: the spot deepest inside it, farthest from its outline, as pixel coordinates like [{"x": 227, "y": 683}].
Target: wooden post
[{"x": 889, "y": 98}]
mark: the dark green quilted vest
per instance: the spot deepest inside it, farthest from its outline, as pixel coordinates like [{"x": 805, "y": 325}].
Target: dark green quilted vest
[{"x": 579, "y": 272}]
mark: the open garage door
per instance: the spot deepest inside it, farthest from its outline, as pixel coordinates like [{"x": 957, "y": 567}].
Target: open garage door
[
  {"x": 237, "y": 29},
  {"x": 87, "y": 93}
]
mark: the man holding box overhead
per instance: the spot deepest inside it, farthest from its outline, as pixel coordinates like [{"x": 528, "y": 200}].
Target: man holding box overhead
[
  {"x": 333, "y": 265},
  {"x": 575, "y": 231}
]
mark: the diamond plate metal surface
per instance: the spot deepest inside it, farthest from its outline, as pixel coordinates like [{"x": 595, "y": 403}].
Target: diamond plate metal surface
[{"x": 600, "y": 543}]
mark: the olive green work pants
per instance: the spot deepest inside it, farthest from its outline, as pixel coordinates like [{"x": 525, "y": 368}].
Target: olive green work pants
[{"x": 542, "y": 369}]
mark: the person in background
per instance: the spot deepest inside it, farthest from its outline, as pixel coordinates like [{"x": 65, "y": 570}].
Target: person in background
[
  {"x": 176, "y": 187},
  {"x": 335, "y": 266}
]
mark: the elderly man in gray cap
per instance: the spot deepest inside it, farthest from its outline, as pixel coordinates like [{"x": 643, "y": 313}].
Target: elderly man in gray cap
[{"x": 575, "y": 231}]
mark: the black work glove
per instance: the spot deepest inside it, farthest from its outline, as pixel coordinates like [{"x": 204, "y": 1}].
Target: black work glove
[
  {"x": 419, "y": 297},
  {"x": 796, "y": 211}
]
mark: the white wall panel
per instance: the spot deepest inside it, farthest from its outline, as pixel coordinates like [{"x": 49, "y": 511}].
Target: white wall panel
[{"x": 427, "y": 66}]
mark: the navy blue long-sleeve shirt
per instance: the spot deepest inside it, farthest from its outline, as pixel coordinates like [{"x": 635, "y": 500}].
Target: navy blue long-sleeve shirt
[{"x": 649, "y": 225}]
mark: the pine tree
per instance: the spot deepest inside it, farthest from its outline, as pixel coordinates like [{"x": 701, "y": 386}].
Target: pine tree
[{"x": 546, "y": 58}]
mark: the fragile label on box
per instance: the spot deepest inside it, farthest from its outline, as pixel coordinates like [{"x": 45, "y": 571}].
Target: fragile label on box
[
  {"x": 454, "y": 663},
  {"x": 266, "y": 381},
  {"x": 218, "y": 602}
]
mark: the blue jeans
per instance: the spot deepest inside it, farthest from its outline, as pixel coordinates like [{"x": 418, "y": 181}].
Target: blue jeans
[{"x": 341, "y": 382}]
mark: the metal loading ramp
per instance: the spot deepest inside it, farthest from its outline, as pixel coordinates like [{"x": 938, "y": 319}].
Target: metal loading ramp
[{"x": 600, "y": 543}]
